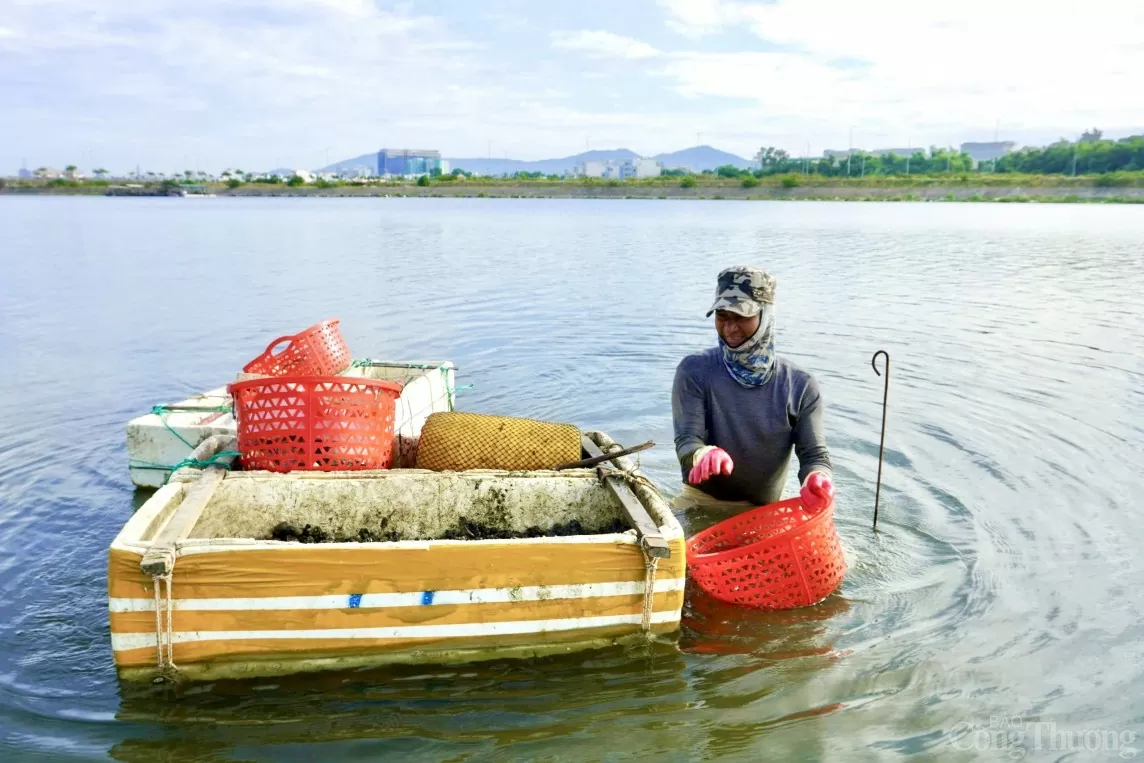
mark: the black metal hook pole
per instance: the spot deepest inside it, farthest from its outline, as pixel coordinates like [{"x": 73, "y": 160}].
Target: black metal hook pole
[{"x": 882, "y": 444}]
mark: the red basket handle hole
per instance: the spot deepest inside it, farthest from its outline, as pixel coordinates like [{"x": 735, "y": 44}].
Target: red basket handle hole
[{"x": 280, "y": 340}]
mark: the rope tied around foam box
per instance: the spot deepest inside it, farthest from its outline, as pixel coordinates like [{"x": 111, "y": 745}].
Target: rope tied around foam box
[
  {"x": 633, "y": 490},
  {"x": 165, "y": 636},
  {"x": 159, "y": 561},
  {"x": 632, "y": 477},
  {"x": 650, "y": 564},
  {"x": 217, "y": 456}
]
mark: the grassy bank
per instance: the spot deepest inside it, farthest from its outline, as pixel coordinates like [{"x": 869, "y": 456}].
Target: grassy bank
[{"x": 975, "y": 187}]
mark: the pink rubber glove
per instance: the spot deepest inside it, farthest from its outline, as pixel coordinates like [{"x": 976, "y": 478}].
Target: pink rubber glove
[
  {"x": 711, "y": 461},
  {"x": 817, "y": 492}
]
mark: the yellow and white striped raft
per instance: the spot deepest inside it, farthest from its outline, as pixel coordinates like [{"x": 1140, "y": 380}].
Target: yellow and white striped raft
[{"x": 240, "y": 605}]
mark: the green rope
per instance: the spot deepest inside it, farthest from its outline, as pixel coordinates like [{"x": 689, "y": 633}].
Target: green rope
[
  {"x": 193, "y": 408},
  {"x": 213, "y": 460},
  {"x": 192, "y": 462},
  {"x": 160, "y": 410}
]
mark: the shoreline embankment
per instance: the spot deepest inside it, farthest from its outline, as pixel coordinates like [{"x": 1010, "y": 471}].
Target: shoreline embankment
[{"x": 1053, "y": 193}]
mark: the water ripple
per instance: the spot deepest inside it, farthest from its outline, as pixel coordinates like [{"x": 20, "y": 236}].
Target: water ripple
[{"x": 1002, "y": 580}]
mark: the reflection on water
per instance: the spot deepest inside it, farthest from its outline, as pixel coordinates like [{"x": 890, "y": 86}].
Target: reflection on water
[{"x": 1003, "y": 579}]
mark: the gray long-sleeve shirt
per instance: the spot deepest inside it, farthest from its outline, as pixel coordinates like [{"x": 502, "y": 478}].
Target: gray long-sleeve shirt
[{"x": 757, "y": 426}]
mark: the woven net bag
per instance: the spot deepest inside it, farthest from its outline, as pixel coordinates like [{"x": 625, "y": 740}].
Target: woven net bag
[{"x": 460, "y": 441}]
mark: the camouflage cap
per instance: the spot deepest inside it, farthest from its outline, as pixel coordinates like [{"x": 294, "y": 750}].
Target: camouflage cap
[{"x": 743, "y": 290}]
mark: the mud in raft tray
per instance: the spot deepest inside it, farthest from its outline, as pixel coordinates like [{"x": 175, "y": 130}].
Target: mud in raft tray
[{"x": 244, "y": 605}]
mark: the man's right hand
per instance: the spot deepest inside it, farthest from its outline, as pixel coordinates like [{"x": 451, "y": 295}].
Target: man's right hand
[{"x": 711, "y": 461}]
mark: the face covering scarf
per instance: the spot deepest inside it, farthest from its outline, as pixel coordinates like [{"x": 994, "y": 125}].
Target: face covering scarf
[{"x": 752, "y": 363}]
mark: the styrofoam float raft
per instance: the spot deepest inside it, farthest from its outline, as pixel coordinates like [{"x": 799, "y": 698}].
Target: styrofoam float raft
[
  {"x": 160, "y": 439},
  {"x": 196, "y": 589}
]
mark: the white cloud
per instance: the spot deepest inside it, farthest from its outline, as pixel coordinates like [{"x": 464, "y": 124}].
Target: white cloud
[
  {"x": 602, "y": 44},
  {"x": 358, "y": 8},
  {"x": 895, "y": 66},
  {"x": 232, "y": 83},
  {"x": 239, "y": 82},
  {"x": 699, "y": 17}
]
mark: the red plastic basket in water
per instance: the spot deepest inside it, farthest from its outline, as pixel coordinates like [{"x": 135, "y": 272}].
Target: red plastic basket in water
[
  {"x": 317, "y": 351},
  {"x": 315, "y": 423},
  {"x": 778, "y": 556}
]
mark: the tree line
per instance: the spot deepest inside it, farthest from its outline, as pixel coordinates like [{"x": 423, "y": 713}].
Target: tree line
[
  {"x": 1090, "y": 155},
  {"x": 774, "y": 161}
]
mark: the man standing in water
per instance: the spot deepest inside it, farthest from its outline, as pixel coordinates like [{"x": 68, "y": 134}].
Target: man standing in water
[{"x": 739, "y": 410}]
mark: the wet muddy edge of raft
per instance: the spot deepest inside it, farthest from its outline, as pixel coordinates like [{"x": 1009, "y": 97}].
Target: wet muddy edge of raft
[{"x": 464, "y": 530}]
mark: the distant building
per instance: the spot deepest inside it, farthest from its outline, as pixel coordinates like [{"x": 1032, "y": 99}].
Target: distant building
[
  {"x": 444, "y": 165},
  {"x": 306, "y": 175},
  {"x": 48, "y": 173},
  {"x": 590, "y": 169},
  {"x": 24, "y": 173},
  {"x": 640, "y": 168},
  {"x": 358, "y": 171},
  {"x": 984, "y": 152},
  {"x": 610, "y": 170},
  {"x": 407, "y": 162},
  {"x": 902, "y": 152}
]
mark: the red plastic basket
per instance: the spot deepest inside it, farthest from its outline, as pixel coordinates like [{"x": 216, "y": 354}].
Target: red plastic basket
[
  {"x": 315, "y": 423},
  {"x": 778, "y": 556},
  {"x": 317, "y": 351}
]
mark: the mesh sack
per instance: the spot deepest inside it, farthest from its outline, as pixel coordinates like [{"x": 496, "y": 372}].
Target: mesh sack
[{"x": 459, "y": 441}]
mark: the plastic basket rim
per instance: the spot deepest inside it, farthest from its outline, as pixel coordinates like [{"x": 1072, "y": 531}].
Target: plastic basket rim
[
  {"x": 305, "y": 333},
  {"x": 245, "y": 384},
  {"x": 719, "y": 556}
]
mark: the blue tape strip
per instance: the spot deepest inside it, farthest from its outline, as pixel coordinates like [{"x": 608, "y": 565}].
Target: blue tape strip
[
  {"x": 427, "y": 597},
  {"x": 355, "y": 600}
]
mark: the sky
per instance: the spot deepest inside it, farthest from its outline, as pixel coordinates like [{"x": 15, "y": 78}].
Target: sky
[{"x": 169, "y": 85}]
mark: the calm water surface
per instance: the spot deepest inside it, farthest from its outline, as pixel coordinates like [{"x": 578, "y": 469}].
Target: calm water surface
[{"x": 1004, "y": 584}]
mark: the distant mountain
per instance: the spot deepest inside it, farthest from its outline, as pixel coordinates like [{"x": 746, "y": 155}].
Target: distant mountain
[
  {"x": 697, "y": 159},
  {"x": 547, "y": 166},
  {"x": 365, "y": 160}
]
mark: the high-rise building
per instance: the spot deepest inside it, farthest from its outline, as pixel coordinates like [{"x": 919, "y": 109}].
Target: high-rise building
[{"x": 405, "y": 161}]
